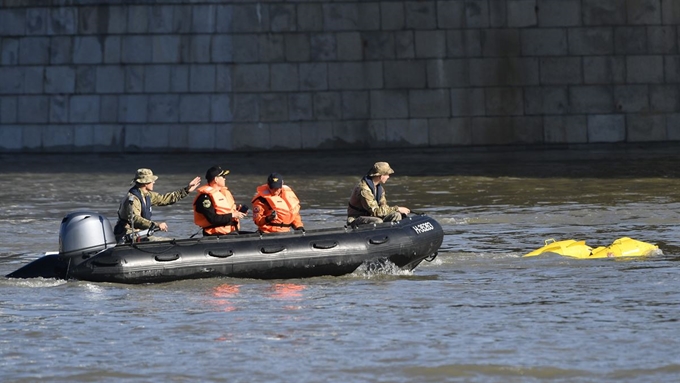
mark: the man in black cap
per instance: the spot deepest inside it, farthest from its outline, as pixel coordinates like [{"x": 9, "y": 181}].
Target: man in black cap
[
  {"x": 368, "y": 203},
  {"x": 214, "y": 207},
  {"x": 276, "y": 208}
]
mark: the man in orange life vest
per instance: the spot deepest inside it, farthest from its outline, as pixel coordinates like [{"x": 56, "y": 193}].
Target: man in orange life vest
[
  {"x": 276, "y": 208},
  {"x": 214, "y": 207}
]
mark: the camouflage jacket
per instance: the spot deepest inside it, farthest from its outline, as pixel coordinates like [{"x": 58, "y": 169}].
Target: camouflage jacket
[
  {"x": 157, "y": 199},
  {"x": 363, "y": 201}
]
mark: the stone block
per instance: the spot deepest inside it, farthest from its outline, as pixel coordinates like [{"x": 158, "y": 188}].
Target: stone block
[
  {"x": 464, "y": 43},
  {"x": 63, "y": 21},
  {"x": 314, "y": 76},
  {"x": 110, "y": 79},
  {"x": 498, "y": 14},
  {"x": 522, "y": 13},
  {"x": 31, "y": 137},
  {"x": 317, "y": 135},
  {"x": 467, "y": 102},
  {"x": 298, "y": 47},
  {"x": 646, "y": 128},
  {"x": 300, "y": 107},
  {"x": 395, "y": 78},
  {"x": 109, "y": 109},
  {"x": 420, "y": 15},
  {"x": 13, "y": 22},
  {"x": 430, "y": 44},
  {"x": 203, "y": 18},
  {"x": 245, "y": 48},
  {"x": 8, "y": 109},
  {"x": 504, "y": 71},
  {"x": 34, "y": 80},
  {"x": 630, "y": 40},
  {"x": 349, "y": 46},
  {"x": 165, "y": 49},
  {"x": 506, "y": 130},
  {"x": 85, "y": 79},
  {"x": 603, "y": 12},
  {"x": 323, "y": 47},
  {"x": 309, "y": 17},
  {"x": 220, "y": 108},
  {"x": 83, "y": 137},
  {"x": 451, "y": 73},
  {"x": 504, "y": 101},
  {"x": 591, "y": 41},
  {"x": 136, "y": 49},
  {"x": 285, "y": 136},
  {"x": 561, "y": 71},
  {"x": 223, "y": 81},
  {"x": 273, "y": 107},
  {"x": 202, "y": 78},
  {"x": 9, "y": 51},
  {"x": 224, "y": 18},
  {"x": 83, "y": 109},
  {"x": 116, "y": 17},
  {"x": 407, "y": 133},
  {"x": 429, "y": 103},
  {"x": 355, "y": 105},
  {"x": 389, "y": 104},
  {"x": 112, "y": 51},
  {"x": 644, "y": 69},
  {"x": 181, "y": 19},
  {"x": 284, "y": 77},
  {"x": 591, "y": 99},
  {"x": 161, "y": 19},
  {"x": 178, "y": 136},
  {"x": 546, "y": 100},
  {"x": 132, "y": 109},
  {"x": 327, "y": 106},
  {"x": 224, "y": 137},
  {"x": 11, "y": 80},
  {"x": 87, "y": 50},
  {"x": 163, "y": 108},
  {"x": 450, "y": 14},
  {"x": 179, "y": 78},
  {"x": 631, "y": 98},
  {"x": 378, "y": 45},
  {"x": 246, "y": 107},
  {"x": 450, "y": 132},
  {"x": 644, "y": 12},
  {"x": 194, "y": 108},
  {"x": 544, "y": 42},
  {"x": 271, "y": 48},
  {"x": 477, "y": 13},
  {"x": 251, "y": 136},
  {"x": 662, "y": 39},
  {"x": 157, "y": 79},
  {"x": 58, "y": 138},
  {"x": 36, "y": 22},
  {"x": 500, "y": 43},
  {"x": 61, "y": 50},
  {"x": 604, "y": 70},
  {"x": 11, "y": 138},
  {"x": 559, "y": 13},
  {"x": 33, "y": 109},
  {"x": 606, "y": 128},
  {"x": 199, "y": 51},
  {"x": 355, "y": 76},
  {"x": 283, "y": 17},
  {"x": 251, "y": 78},
  {"x": 565, "y": 129},
  {"x": 664, "y": 98},
  {"x": 34, "y": 51},
  {"x": 147, "y": 138},
  {"x": 134, "y": 78},
  {"x": 340, "y": 16},
  {"x": 253, "y": 17},
  {"x": 59, "y": 109},
  {"x": 392, "y": 16},
  {"x": 673, "y": 126},
  {"x": 202, "y": 137},
  {"x": 369, "y": 16},
  {"x": 354, "y": 134},
  {"x": 138, "y": 19},
  {"x": 404, "y": 45}
]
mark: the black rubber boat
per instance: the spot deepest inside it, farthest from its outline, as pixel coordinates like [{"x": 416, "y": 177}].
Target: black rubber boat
[{"x": 88, "y": 251}]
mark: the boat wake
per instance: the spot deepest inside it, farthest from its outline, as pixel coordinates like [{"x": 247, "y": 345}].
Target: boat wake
[{"x": 379, "y": 268}]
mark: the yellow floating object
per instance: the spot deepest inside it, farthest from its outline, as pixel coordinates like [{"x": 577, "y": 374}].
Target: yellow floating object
[{"x": 622, "y": 247}]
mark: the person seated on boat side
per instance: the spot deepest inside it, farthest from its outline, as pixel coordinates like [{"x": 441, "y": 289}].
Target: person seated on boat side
[
  {"x": 276, "y": 207},
  {"x": 139, "y": 200},
  {"x": 214, "y": 208},
  {"x": 368, "y": 203}
]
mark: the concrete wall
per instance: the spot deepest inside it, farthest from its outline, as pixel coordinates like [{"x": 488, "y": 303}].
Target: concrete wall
[{"x": 163, "y": 75}]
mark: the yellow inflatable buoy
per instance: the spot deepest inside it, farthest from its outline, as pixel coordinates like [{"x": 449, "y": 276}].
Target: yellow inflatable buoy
[{"x": 622, "y": 247}]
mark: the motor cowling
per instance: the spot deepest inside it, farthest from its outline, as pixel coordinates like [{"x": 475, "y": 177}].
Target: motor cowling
[{"x": 85, "y": 233}]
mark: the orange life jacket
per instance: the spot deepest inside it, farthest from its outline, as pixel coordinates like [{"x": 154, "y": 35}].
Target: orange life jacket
[
  {"x": 223, "y": 202},
  {"x": 286, "y": 205}
]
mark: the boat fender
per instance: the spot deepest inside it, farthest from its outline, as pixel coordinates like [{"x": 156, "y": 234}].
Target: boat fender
[
  {"x": 325, "y": 245},
  {"x": 225, "y": 254},
  {"x": 272, "y": 249},
  {"x": 166, "y": 257},
  {"x": 378, "y": 240}
]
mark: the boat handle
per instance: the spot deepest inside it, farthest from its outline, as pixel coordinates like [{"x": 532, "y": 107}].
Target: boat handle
[
  {"x": 106, "y": 262},
  {"x": 324, "y": 245},
  {"x": 227, "y": 254},
  {"x": 378, "y": 241},
  {"x": 272, "y": 249},
  {"x": 167, "y": 257}
]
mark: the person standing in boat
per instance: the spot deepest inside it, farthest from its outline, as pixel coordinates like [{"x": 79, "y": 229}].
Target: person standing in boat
[
  {"x": 368, "y": 203},
  {"x": 214, "y": 208},
  {"x": 276, "y": 208},
  {"x": 134, "y": 212}
]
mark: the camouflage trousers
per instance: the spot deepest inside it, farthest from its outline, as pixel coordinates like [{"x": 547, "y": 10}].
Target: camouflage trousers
[{"x": 365, "y": 220}]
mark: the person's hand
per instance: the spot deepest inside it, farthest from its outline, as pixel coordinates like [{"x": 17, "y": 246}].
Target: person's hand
[
  {"x": 403, "y": 210},
  {"x": 271, "y": 216},
  {"x": 238, "y": 215},
  {"x": 163, "y": 226},
  {"x": 194, "y": 184},
  {"x": 301, "y": 228}
]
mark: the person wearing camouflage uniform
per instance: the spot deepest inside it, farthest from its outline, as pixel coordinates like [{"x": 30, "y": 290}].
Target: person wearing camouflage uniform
[
  {"x": 368, "y": 203},
  {"x": 139, "y": 200}
]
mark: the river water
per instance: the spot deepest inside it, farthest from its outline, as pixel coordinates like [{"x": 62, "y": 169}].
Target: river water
[{"x": 478, "y": 313}]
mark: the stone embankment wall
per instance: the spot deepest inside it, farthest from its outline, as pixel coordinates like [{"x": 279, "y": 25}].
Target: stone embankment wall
[{"x": 168, "y": 75}]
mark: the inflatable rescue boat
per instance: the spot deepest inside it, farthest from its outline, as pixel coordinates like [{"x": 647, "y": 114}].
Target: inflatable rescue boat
[
  {"x": 622, "y": 247},
  {"x": 88, "y": 251}
]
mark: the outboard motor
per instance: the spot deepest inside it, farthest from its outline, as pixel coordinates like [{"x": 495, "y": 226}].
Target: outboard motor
[{"x": 85, "y": 233}]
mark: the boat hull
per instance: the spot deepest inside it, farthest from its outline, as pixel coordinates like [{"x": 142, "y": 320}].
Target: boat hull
[{"x": 332, "y": 252}]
